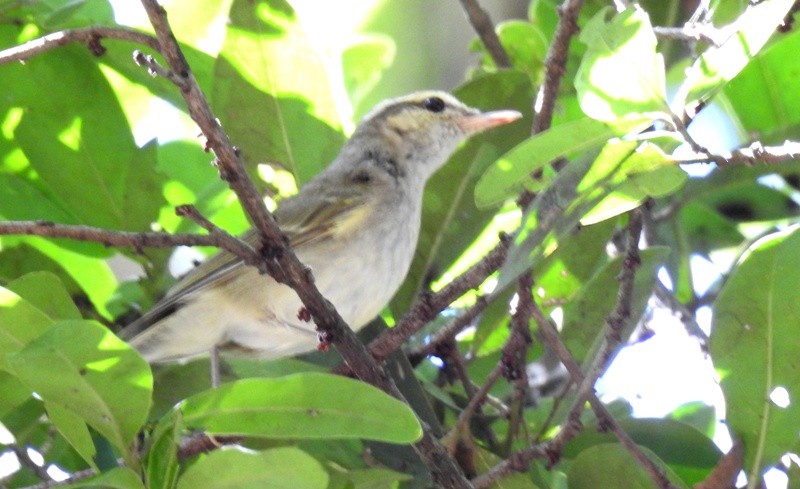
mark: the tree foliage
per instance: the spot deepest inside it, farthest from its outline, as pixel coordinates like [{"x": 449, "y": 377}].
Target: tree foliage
[{"x": 603, "y": 209}]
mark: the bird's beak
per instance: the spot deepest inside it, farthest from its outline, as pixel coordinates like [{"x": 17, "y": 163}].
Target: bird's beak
[{"x": 487, "y": 120}]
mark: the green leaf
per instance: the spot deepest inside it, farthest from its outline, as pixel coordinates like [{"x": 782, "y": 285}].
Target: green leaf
[
  {"x": 621, "y": 74},
  {"x": 20, "y": 323},
  {"x": 69, "y": 137},
  {"x": 93, "y": 275},
  {"x": 161, "y": 462},
  {"x": 305, "y": 405},
  {"x": 763, "y": 94},
  {"x": 364, "y": 62},
  {"x": 687, "y": 451},
  {"x": 118, "y": 478},
  {"x": 753, "y": 344},
  {"x": 512, "y": 172},
  {"x": 718, "y": 65},
  {"x": 73, "y": 428},
  {"x": 45, "y": 291},
  {"x": 84, "y": 368},
  {"x": 14, "y": 393},
  {"x": 279, "y": 468},
  {"x": 376, "y": 478},
  {"x": 272, "y": 92},
  {"x": 611, "y": 466}
]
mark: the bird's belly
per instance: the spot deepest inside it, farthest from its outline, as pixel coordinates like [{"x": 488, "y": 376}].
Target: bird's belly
[{"x": 359, "y": 282}]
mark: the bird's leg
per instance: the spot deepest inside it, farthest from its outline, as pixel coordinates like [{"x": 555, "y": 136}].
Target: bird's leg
[{"x": 214, "y": 358}]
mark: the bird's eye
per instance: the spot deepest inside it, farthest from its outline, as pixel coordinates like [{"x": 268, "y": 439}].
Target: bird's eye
[{"x": 433, "y": 104}]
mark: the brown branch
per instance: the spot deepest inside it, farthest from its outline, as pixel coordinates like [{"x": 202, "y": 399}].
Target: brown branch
[
  {"x": 287, "y": 268},
  {"x": 91, "y": 36},
  {"x": 137, "y": 241},
  {"x": 555, "y": 69},
  {"x": 555, "y": 62},
  {"x": 480, "y": 21}
]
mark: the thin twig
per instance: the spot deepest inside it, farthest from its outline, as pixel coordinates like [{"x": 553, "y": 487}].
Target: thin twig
[
  {"x": 752, "y": 155},
  {"x": 484, "y": 27},
  {"x": 555, "y": 63},
  {"x": 555, "y": 69},
  {"x": 91, "y": 36},
  {"x": 137, "y": 241},
  {"x": 691, "y": 33},
  {"x": 26, "y": 461}
]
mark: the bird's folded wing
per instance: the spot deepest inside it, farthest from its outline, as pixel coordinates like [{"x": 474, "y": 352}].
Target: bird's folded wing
[{"x": 318, "y": 217}]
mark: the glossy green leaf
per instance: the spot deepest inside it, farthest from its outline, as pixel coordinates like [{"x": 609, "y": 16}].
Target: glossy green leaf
[
  {"x": 718, "y": 65},
  {"x": 621, "y": 73},
  {"x": 46, "y": 292},
  {"x": 512, "y": 172},
  {"x": 84, "y": 368},
  {"x": 272, "y": 92},
  {"x": 753, "y": 344},
  {"x": 118, "y": 478},
  {"x": 279, "y": 468},
  {"x": 611, "y": 466},
  {"x": 306, "y": 405}
]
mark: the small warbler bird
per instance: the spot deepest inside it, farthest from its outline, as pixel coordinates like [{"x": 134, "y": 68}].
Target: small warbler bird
[{"x": 355, "y": 224}]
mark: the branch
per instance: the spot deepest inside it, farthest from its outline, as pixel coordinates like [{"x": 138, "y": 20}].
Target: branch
[
  {"x": 691, "y": 33},
  {"x": 555, "y": 69},
  {"x": 137, "y": 241},
  {"x": 26, "y": 461},
  {"x": 555, "y": 63},
  {"x": 91, "y": 36},
  {"x": 276, "y": 249},
  {"x": 484, "y": 27},
  {"x": 752, "y": 155}
]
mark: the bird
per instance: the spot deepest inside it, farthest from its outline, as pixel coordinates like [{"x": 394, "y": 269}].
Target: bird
[{"x": 355, "y": 224}]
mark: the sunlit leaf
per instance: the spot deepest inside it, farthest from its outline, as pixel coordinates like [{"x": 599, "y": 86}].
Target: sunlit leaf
[
  {"x": 272, "y": 92},
  {"x": 309, "y": 405},
  {"x": 718, "y": 65},
  {"x": 512, "y": 172},
  {"x": 621, "y": 73},
  {"x": 84, "y": 368}
]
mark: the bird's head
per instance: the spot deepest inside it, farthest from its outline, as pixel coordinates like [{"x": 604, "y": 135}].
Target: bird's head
[{"x": 423, "y": 129}]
